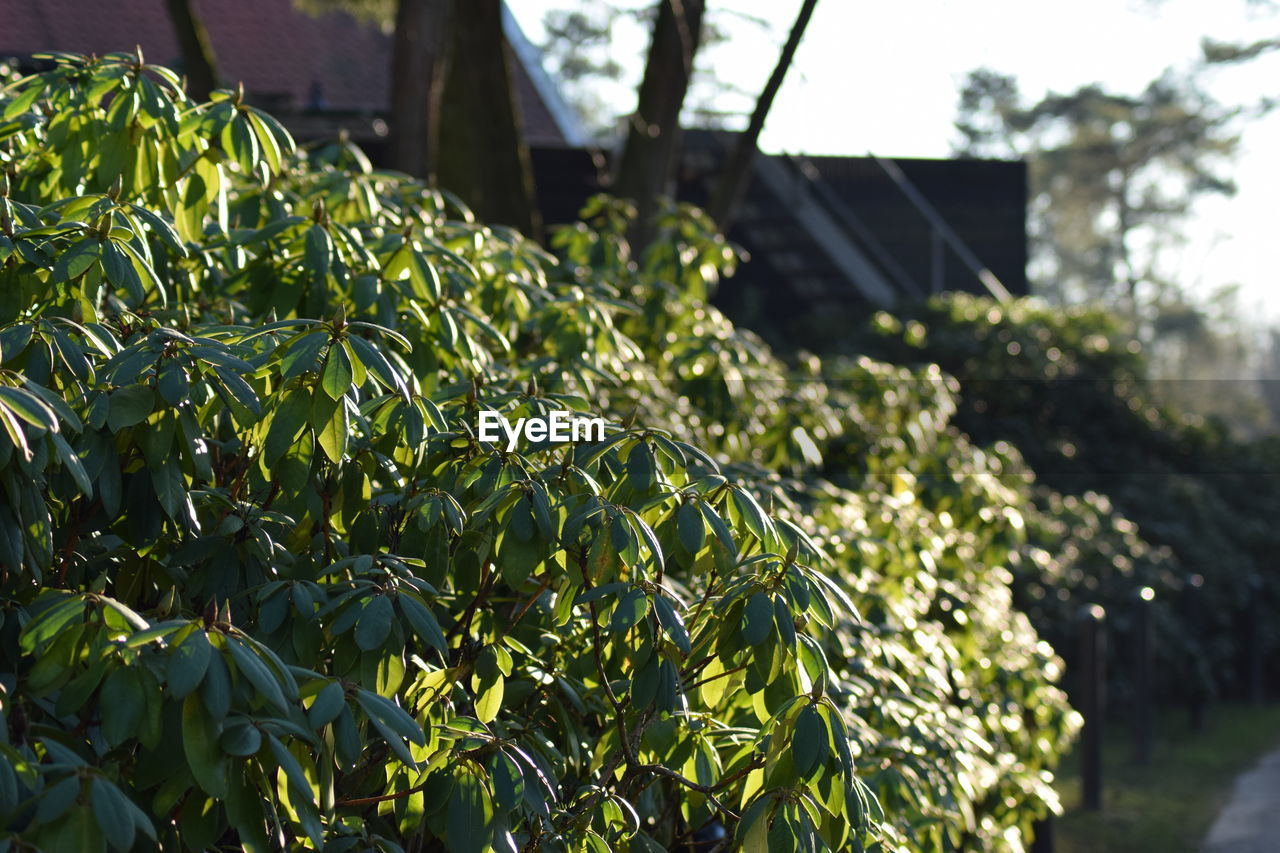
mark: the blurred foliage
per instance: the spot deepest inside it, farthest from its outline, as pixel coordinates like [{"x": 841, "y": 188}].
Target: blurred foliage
[
  {"x": 263, "y": 587},
  {"x": 1189, "y": 510},
  {"x": 582, "y": 50},
  {"x": 379, "y": 13},
  {"x": 1112, "y": 177}
]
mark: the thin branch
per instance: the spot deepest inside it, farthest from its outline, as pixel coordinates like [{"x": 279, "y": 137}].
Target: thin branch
[
  {"x": 711, "y": 678},
  {"x": 515, "y": 619},
  {"x": 737, "y": 172}
]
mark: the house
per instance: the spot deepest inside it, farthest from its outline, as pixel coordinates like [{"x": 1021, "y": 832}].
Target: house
[
  {"x": 317, "y": 74},
  {"x": 833, "y": 239},
  {"x": 851, "y": 235}
]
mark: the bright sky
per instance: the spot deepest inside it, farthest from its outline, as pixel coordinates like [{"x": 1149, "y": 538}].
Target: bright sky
[{"x": 884, "y": 77}]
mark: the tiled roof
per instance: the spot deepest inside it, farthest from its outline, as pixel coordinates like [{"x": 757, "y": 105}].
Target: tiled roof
[{"x": 284, "y": 58}]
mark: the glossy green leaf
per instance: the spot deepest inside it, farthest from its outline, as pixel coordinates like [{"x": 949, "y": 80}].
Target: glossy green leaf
[
  {"x": 809, "y": 743},
  {"x": 205, "y": 758},
  {"x": 328, "y": 703},
  {"x": 113, "y": 813},
  {"x": 77, "y": 259},
  {"x": 374, "y": 625},
  {"x": 470, "y": 815},
  {"x": 188, "y": 663},
  {"x": 240, "y": 739},
  {"x": 336, "y": 376},
  {"x": 757, "y": 619}
]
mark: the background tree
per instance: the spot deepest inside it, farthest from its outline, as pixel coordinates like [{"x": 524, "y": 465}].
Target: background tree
[
  {"x": 578, "y": 51},
  {"x": 736, "y": 175},
  {"x": 1113, "y": 180},
  {"x": 419, "y": 63},
  {"x": 444, "y": 123},
  {"x": 1113, "y": 177},
  {"x": 198, "y": 61},
  {"x": 1270, "y": 384},
  {"x": 1208, "y": 355},
  {"x": 454, "y": 122},
  {"x": 483, "y": 156},
  {"x": 1225, "y": 53},
  {"x": 647, "y": 161}
]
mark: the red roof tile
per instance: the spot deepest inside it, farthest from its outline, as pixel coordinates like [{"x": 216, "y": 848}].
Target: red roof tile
[{"x": 280, "y": 54}]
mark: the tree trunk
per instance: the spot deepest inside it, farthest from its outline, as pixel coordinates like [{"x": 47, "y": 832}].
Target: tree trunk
[
  {"x": 483, "y": 156},
  {"x": 647, "y": 163},
  {"x": 1123, "y": 226},
  {"x": 737, "y": 172},
  {"x": 419, "y": 64},
  {"x": 197, "y": 54}
]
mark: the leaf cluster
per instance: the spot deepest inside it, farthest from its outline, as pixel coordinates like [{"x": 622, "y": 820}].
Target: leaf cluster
[
  {"x": 1132, "y": 493},
  {"x": 263, "y": 586}
]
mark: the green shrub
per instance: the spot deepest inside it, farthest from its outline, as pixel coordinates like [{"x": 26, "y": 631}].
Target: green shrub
[
  {"x": 1187, "y": 510},
  {"x": 265, "y": 587}
]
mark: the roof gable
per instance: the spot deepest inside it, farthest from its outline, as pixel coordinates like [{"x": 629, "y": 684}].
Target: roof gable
[{"x": 289, "y": 61}]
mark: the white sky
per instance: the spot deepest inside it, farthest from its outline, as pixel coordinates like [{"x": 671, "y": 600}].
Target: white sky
[{"x": 884, "y": 77}]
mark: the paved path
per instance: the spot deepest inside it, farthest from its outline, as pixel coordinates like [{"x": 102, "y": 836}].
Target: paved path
[{"x": 1250, "y": 823}]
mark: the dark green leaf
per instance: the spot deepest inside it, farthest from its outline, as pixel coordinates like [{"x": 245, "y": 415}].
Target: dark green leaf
[
  {"x": 73, "y": 464},
  {"x": 240, "y": 739},
  {"x": 328, "y": 703},
  {"x": 470, "y": 815},
  {"x": 174, "y": 386},
  {"x": 689, "y": 527},
  {"x": 757, "y": 619},
  {"x": 423, "y": 622},
  {"x": 374, "y": 625},
  {"x": 122, "y": 704},
  {"x": 130, "y": 405},
  {"x": 302, "y": 354},
  {"x": 672, "y": 623},
  {"x": 286, "y": 424},
  {"x": 188, "y": 664},
  {"x": 640, "y": 468},
  {"x": 57, "y": 798},
  {"x": 29, "y": 407},
  {"x": 111, "y": 811},
  {"x": 239, "y": 389},
  {"x": 77, "y": 259},
  {"x": 200, "y": 742},
  {"x": 809, "y": 744},
  {"x": 257, "y": 672},
  {"x": 319, "y": 250},
  {"x": 632, "y": 608}
]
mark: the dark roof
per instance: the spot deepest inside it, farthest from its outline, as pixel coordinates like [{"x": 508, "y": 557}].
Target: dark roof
[
  {"x": 285, "y": 58},
  {"x": 983, "y": 200},
  {"x": 843, "y": 239},
  {"x": 831, "y": 239}
]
